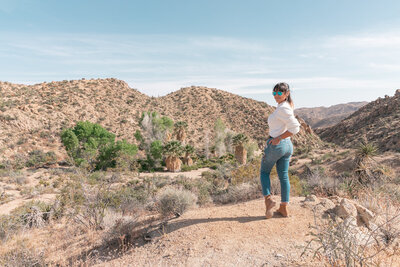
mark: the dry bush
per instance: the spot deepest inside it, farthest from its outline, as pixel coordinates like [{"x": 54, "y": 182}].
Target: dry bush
[
  {"x": 119, "y": 228},
  {"x": 237, "y": 193},
  {"x": 22, "y": 256},
  {"x": 249, "y": 172},
  {"x": 175, "y": 201},
  {"x": 319, "y": 183}
]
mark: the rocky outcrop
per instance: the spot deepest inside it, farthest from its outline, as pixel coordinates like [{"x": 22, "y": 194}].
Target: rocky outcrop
[
  {"x": 378, "y": 121},
  {"x": 322, "y": 117},
  {"x": 341, "y": 208}
]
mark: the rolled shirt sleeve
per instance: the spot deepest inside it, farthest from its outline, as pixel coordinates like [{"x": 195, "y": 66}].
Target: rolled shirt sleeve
[{"x": 286, "y": 115}]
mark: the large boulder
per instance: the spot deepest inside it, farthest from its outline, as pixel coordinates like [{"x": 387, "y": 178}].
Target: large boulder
[{"x": 346, "y": 209}]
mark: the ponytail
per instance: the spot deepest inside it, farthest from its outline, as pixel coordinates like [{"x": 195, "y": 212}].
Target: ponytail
[{"x": 290, "y": 101}]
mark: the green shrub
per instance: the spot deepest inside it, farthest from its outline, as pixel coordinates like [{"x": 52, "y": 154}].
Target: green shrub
[{"x": 38, "y": 158}]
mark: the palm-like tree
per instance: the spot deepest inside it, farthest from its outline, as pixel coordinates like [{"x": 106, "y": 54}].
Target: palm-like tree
[
  {"x": 239, "y": 141},
  {"x": 180, "y": 128},
  {"x": 188, "y": 151},
  {"x": 172, "y": 151},
  {"x": 364, "y": 161}
]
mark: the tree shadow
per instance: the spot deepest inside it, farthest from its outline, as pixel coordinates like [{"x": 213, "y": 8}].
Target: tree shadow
[{"x": 113, "y": 249}]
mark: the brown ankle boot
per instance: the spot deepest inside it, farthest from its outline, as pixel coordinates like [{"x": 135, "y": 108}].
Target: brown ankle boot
[
  {"x": 283, "y": 210},
  {"x": 269, "y": 204}
]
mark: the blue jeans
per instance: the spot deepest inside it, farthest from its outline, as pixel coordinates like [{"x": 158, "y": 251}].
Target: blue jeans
[{"x": 279, "y": 154}]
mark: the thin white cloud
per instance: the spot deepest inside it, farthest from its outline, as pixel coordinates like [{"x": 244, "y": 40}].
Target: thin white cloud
[
  {"x": 386, "y": 67},
  {"x": 366, "y": 40}
]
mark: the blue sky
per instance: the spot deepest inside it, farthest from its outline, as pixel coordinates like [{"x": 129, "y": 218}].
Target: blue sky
[{"x": 330, "y": 52}]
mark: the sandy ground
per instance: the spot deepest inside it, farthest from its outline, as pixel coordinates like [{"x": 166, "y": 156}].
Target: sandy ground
[
  {"x": 230, "y": 235},
  {"x": 31, "y": 179}
]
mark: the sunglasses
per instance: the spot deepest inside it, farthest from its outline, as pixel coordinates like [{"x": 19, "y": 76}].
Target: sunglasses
[{"x": 279, "y": 93}]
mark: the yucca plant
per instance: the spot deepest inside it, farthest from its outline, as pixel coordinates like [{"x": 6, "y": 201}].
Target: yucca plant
[
  {"x": 180, "y": 128},
  {"x": 239, "y": 141},
  {"x": 188, "y": 151},
  {"x": 172, "y": 151},
  {"x": 366, "y": 150},
  {"x": 363, "y": 161}
]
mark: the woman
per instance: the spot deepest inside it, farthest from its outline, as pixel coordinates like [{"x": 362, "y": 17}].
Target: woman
[{"x": 282, "y": 124}]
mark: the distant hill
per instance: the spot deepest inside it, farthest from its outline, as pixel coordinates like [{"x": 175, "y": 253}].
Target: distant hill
[
  {"x": 32, "y": 116},
  {"x": 378, "y": 122},
  {"x": 322, "y": 117}
]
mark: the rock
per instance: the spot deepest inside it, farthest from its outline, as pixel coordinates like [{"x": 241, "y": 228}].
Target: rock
[
  {"x": 364, "y": 214},
  {"x": 279, "y": 255},
  {"x": 327, "y": 203},
  {"x": 311, "y": 198},
  {"x": 346, "y": 209},
  {"x": 351, "y": 222},
  {"x": 335, "y": 199},
  {"x": 397, "y": 93}
]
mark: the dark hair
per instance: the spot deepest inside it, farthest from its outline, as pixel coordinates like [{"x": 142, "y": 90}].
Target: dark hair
[{"x": 284, "y": 87}]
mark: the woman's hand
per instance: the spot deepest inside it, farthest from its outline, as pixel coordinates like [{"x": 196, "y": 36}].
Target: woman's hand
[{"x": 275, "y": 141}]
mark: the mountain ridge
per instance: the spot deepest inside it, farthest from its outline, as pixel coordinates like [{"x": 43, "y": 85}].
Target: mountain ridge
[
  {"x": 322, "y": 117},
  {"x": 376, "y": 122},
  {"x": 32, "y": 116}
]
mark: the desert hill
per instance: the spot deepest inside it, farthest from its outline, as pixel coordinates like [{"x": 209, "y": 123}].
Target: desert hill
[
  {"x": 378, "y": 122},
  {"x": 322, "y": 117},
  {"x": 32, "y": 116}
]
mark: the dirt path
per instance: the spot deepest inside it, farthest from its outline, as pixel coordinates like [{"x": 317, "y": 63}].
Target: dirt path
[
  {"x": 190, "y": 174},
  {"x": 230, "y": 235}
]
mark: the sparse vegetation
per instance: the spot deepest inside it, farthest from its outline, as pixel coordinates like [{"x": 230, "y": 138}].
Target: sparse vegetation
[{"x": 102, "y": 202}]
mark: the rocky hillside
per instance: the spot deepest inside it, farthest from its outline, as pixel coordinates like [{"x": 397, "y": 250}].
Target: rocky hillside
[
  {"x": 32, "y": 116},
  {"x": 322, "y": 117},
  {"x": 378, "y": 122}
]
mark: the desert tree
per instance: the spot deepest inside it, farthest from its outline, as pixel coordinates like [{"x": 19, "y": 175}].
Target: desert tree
[
  {"x": 188, "y": 151},
  {"x": 155, "y": 130},
  {"x": 239, "y": 141},
  {"x": 180, "y": 129},
  {"x": 173, "y": 150},
  {"x": 219, "y": 139},
  {"x": 364, "y": 161},
  {"x": 154, "y": 126},
  {"x": 93, "y": 147}
]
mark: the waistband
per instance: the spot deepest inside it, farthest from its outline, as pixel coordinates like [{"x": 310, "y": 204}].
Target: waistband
[{"x": 287, "y": 138}]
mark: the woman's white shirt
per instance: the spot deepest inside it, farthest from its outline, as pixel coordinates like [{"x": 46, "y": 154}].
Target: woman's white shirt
[{"x": 282, "y": 120}]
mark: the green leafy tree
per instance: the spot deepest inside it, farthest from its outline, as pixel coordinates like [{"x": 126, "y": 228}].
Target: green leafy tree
[
  {"x": 156, "y": 150},
  {"x": 93, "y": 147}
]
